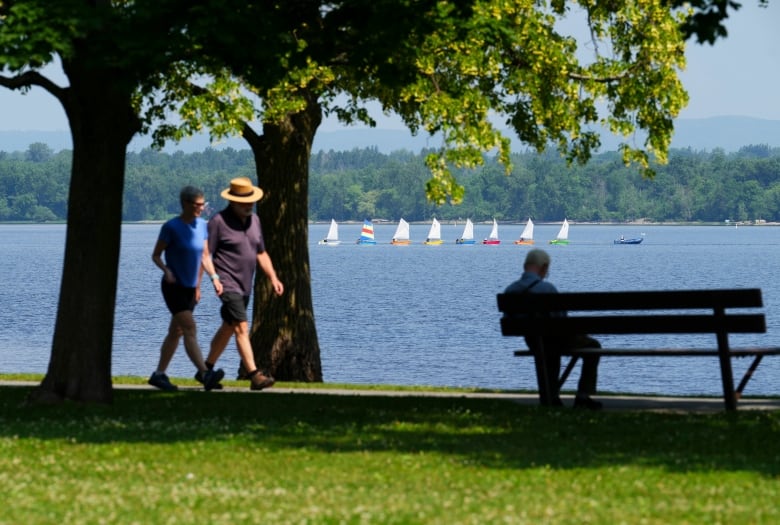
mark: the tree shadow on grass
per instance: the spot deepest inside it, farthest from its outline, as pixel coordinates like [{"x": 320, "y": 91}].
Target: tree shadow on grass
[{"x": 488, "y": 432}]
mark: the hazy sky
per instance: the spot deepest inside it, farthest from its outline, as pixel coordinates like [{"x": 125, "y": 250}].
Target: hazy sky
[{"x": 737, "y": 76}]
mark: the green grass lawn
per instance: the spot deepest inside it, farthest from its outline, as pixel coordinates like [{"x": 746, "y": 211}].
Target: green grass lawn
[{"x": 249, "y": 457}]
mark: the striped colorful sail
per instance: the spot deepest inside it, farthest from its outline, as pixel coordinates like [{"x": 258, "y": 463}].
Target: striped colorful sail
[{"x": 367, "y": 233}]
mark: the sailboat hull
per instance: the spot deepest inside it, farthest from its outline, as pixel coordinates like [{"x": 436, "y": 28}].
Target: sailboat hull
[
  {"x": 464, "y": 241},
  {"x": 330, "y": 242},
  {"x": 401, "y": 242},
  {"x": 491, "y": 241},
  {"x": 559, "y": 241},
  {"x": 524, "y": 242},
  {"x": 433, "y": 242}
]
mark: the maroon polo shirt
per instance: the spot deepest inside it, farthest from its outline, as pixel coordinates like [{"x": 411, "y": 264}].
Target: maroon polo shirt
[{"x": 234, "y": 244}]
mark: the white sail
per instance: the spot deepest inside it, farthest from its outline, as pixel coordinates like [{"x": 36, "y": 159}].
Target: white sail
[
  {"x": 563, "y": 234},
  {"x": 468, "y": 231},
  {"x": 435, "y": 232},
  {"x": 494, "y": 231},
  {"x": 528, "y": 231},
  {"x": 333, "y": 234},
  {"x": 333, "y": 231},
  {"x": 402, "y": 232}
]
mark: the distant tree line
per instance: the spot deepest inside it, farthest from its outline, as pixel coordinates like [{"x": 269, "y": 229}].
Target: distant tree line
[{"x": 364, "y": 183}]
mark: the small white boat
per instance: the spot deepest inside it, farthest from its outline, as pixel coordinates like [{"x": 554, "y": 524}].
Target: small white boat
[
  {"x": 401, "y": 235},
  {"x": 468, "y": 234},
  {"x": 434, "y": 234},
  {"x": 332, "y": 238},
  {"x": 493, "y": 237},
  {"x": 563, "y": 234},
  {"x": 527, "y": 236}
]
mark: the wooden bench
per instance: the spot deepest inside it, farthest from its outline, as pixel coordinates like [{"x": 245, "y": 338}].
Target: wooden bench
[{"x": 638, "y": 312}]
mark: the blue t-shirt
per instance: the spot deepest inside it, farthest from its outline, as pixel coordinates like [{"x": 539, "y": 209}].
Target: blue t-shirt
[{"x": 184, "y": 248}]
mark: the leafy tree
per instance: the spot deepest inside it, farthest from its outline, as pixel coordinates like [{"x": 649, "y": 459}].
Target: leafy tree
[
  {"x": 112, "y": 52},
  {"x": 39, "y": 152}
]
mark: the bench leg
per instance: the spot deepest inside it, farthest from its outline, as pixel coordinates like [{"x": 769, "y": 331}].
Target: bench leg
[
  {"x": 726, "y": 372},
  {"x": 543, "y": 379},
  {"x": 567, "y": 371},
  {"x": 748, "y": 375}
]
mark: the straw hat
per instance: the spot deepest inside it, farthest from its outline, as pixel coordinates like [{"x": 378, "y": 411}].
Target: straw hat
[{"x": 242, "y": 190}]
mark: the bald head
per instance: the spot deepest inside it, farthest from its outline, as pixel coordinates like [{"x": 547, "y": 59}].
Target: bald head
[
  {"x": 537, "y": 257},
  {"x": 537, "y": 261}
]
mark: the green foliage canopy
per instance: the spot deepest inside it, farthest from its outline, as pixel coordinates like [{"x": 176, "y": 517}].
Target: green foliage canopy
[{"x": 463, "y": 66}]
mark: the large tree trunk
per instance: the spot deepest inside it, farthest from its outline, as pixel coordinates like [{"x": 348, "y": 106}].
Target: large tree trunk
[
  {"x": 102, "y": 123},
  {"x": 284, "y": 336}
]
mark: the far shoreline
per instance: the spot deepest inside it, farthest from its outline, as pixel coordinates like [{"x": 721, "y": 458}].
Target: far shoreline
[{"x": 456, "y": 222}]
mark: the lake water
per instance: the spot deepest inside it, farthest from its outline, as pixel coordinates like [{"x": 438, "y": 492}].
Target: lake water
[{"x": 419, "y": 315}]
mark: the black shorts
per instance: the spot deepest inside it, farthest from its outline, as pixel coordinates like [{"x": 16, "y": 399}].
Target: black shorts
[
  {"x": 234, "y": 307},
  {"x": 178, "y": 298}
]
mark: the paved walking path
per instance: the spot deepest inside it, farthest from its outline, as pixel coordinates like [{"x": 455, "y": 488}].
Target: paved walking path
[{"x": 611, "y": 402}]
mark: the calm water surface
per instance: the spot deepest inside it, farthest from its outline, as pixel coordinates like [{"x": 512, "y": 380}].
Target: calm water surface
[{"x": 418, "y": 315}]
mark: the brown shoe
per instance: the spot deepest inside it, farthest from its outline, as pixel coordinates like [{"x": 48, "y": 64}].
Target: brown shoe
[{"x": 260, "y": 381}]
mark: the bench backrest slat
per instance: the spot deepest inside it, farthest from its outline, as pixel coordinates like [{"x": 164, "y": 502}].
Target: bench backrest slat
[
  {"x": 639, "y": 324},
  {"x": 630, "y": 300}
]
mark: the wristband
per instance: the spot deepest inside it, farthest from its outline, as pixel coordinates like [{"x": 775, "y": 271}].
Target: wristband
[{"x": 214, "y": 277}]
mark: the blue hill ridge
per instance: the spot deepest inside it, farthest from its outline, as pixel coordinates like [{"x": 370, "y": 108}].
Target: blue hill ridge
[{"x": 729, "y": 133}]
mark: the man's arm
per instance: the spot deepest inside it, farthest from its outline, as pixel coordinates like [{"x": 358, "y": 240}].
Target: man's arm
[{"x": 264, "y": 261}]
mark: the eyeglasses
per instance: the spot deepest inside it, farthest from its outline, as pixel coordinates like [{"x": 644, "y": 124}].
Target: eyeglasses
[{"x": 198, "y": 204}]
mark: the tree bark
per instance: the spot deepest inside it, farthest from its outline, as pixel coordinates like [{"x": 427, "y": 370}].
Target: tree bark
[
  {"x": 284, "y": 335},
  {"x": 102, "y": 122}
]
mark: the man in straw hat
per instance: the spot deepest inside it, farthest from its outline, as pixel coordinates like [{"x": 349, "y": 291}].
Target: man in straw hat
[{"x": 237, "y": 248}]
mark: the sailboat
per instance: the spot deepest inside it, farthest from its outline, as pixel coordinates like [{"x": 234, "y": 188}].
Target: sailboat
[
  {"x": 367, "y": 233},
  {"x": 563, "y": 234},
  {"x": 527, "y": 237},
  {"x": 332, "y": 238},
  {"x": 468, "y": 234},
  {"x": 493, "y": 237},
  {"x": 434, "y": 234},
  {"x": 401, "y": 235}
]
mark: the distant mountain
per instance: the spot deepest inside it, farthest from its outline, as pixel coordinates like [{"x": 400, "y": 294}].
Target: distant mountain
[
  {"x": 21, "y": 140},
  {"x": 727, "y": 133}
]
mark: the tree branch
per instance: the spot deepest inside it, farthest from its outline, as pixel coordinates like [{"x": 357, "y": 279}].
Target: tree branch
[
  {"x": 601, "y": 80},
  {"x": 29, "y": 79}
]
